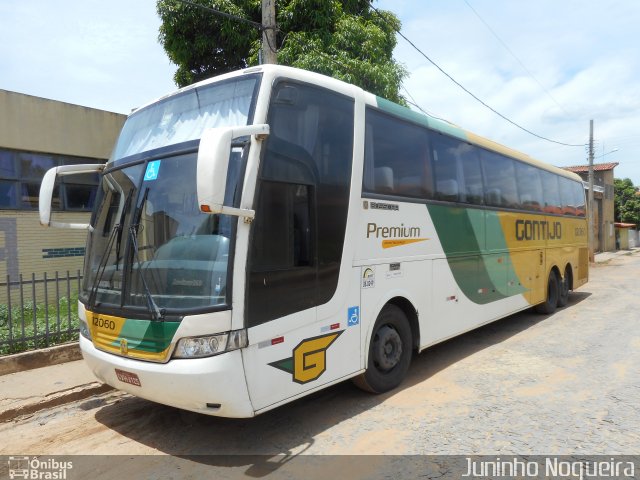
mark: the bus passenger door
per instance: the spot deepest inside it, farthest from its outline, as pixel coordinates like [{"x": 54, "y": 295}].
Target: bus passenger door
[
  {"x": 281, "y": 290},
  {"x": 297, "y": 318}
]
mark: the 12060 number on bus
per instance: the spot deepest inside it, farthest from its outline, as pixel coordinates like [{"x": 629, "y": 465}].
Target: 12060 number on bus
[{"x": 104, "y": 323}]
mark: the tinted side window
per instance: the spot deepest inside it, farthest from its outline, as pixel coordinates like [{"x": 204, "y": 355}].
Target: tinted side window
[
  {"x": 302, "y": 202},
  {"x": 529, "y": 187},
  {"x": 445, "y": 168},
  {"x": 284, "y": 209},
  {"x": 456, "y": 170},
  {"x": 396, "y": 161},
  {"x": 579, "y": 199},
  {"x": 567, "y": 197},
  {"x": 551, "y": 192},
  {"x": 500, "y": 188},
  {"x": 471, "y": 175}
]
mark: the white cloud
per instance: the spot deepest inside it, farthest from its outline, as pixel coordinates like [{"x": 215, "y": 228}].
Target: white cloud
[
  {"x": 106, "y": 55},
  {"x": 583, "y": 54},
  {"x": 90, "y": 52}
]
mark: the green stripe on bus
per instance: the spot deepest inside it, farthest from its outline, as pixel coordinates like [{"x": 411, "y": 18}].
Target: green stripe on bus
[
  {"x": 419, "y": 118},
  {"x": 483, "y": 277},
  {"x": 146, "y": 335}
]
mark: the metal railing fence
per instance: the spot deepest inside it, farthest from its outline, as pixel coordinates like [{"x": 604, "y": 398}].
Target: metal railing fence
[{"x": 38, "y": 312}]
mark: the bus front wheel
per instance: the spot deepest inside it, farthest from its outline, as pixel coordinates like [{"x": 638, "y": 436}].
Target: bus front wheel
[
  {"x": 389, "y": 352},
  {"x": 553, "y": 293}
]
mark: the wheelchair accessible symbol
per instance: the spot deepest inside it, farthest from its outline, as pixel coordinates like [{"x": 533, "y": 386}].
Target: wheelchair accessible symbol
[
  {"x": 353, "y": 316},
  {"x": 152, "y": 171}
]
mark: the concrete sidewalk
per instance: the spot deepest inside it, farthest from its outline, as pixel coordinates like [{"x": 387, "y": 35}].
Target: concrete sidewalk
[
  {"x": 604, "y": 257},
  {"x": 29, "y": 391}
]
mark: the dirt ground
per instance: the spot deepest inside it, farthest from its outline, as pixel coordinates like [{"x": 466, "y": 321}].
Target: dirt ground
[{"x": 529, "y": 384}]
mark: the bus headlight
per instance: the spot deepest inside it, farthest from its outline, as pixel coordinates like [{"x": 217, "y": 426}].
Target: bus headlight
[
  {"x": 198, "y": 347},
  {"x": 84, "y": 329}
]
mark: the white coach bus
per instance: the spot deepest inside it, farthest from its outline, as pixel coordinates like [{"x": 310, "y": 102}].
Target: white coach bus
[{"x": 267, "y": 233}]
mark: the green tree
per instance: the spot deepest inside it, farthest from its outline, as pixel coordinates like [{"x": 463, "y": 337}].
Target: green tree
[
  {"x": 344, "y": 39},
  {"x": 626, "y": 201}
]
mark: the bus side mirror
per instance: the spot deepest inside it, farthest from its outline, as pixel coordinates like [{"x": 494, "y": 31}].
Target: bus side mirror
[
  {"x": 46, "y": 192},
  {"x": 213, "y": 163}
]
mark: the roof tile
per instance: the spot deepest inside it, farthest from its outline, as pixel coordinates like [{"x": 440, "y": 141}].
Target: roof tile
[{"x": 597, "y": 167}]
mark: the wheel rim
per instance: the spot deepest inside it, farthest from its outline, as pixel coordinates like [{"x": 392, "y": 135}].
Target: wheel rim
[
  {"x": 553, "y": 290},
  {"x": 387, "y": 348},
  {"x": 565, "y": 284}
]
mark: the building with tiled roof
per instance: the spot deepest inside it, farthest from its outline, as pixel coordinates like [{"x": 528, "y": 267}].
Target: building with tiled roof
[
  {"x": 597, "y": 167},
  {"x": 603, "y": 217}
]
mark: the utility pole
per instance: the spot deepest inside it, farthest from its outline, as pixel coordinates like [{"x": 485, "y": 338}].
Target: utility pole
[
  {"x": 269, "y": 31},
  {"x": 590, "y": 194}
]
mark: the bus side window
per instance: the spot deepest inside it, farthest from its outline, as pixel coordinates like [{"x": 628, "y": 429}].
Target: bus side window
[
  {"x": 529, "y": 187},
  {"x": 569, "y": 206},
  {"x": 470, "y": 174},
  {"x": 396, "y": 157},
  {"x": 284, "y": 212},
  {"x": 579, "y": 193},
  {"x": 499, "y": 180},
  {"x": 551, "y": 193},
  {"x": 445, "y": 168}
]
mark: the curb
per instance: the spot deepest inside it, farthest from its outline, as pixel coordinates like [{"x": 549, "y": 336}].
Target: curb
[
  {"x": 20, "y": 362},
  {"x": 55, "y": 399},
  {"x": 606, "y": 257}
]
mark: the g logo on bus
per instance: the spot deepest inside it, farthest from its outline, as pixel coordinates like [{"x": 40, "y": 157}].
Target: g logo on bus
[
  {"x": 309, "y": 359},
  {"x": 124, "y": 347}
]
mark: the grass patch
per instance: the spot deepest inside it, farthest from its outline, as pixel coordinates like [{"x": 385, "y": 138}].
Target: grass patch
[{"x": 32, "y": 326}]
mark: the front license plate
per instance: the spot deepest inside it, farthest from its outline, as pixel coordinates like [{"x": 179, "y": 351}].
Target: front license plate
[{"x": 128, "y": 377}]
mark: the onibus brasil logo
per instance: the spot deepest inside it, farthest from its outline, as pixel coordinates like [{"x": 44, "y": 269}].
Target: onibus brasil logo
[
  {"x": 38, "y": 468},
  {"x": 309, "y": 359}
]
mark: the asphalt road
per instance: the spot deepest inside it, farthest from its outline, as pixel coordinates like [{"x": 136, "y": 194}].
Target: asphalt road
[{"x": 568, "y": 383}]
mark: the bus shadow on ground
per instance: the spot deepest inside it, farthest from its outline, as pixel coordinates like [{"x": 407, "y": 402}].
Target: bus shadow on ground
[
  {"x": 266, "y": 443},
  {"x": 440, "y": 356}
]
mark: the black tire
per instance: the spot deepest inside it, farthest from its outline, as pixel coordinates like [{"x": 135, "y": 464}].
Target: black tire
[
  {"x": 553, "y": 293},
  {"x": 390, "y": 352},
  {"x": 563, "y": 289}
]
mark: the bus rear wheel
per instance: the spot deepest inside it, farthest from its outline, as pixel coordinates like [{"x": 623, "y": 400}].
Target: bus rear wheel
[
  {"x": 389, "y": 352},
  {"x": 565, "y": 285},
  {"x": 553, "y": 292}
]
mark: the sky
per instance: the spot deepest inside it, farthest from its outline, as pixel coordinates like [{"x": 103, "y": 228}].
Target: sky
[{"x": 550, "y": 66}]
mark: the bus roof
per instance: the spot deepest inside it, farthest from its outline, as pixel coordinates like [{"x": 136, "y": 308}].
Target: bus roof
[{"x": 385, "y": 105}]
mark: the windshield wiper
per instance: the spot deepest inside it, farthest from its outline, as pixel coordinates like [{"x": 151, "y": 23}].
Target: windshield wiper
[
  {"x": 155, "y": 311},
  {"x": 102, "y": 266},
  {"x": 125, "y": 208}
]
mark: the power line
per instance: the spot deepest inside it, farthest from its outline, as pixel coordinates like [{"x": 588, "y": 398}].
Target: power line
[
  {"x": 260, "y": 27},
  {"x": 469, "y": 92},
  {"x": 257, "y": 25},
  {"x": 415, "y": 104},
  {"x": 230, "y": 16},
  {"x": 515, "y": 56}
]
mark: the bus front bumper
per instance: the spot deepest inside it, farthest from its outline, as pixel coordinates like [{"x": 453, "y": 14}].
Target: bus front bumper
[{"x": 212, "y": 386}]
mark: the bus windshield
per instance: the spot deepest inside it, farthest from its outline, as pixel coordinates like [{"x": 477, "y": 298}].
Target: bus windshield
[
  {"x": 185, "y": 116},
  {"x": 150, "y": 248}
]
